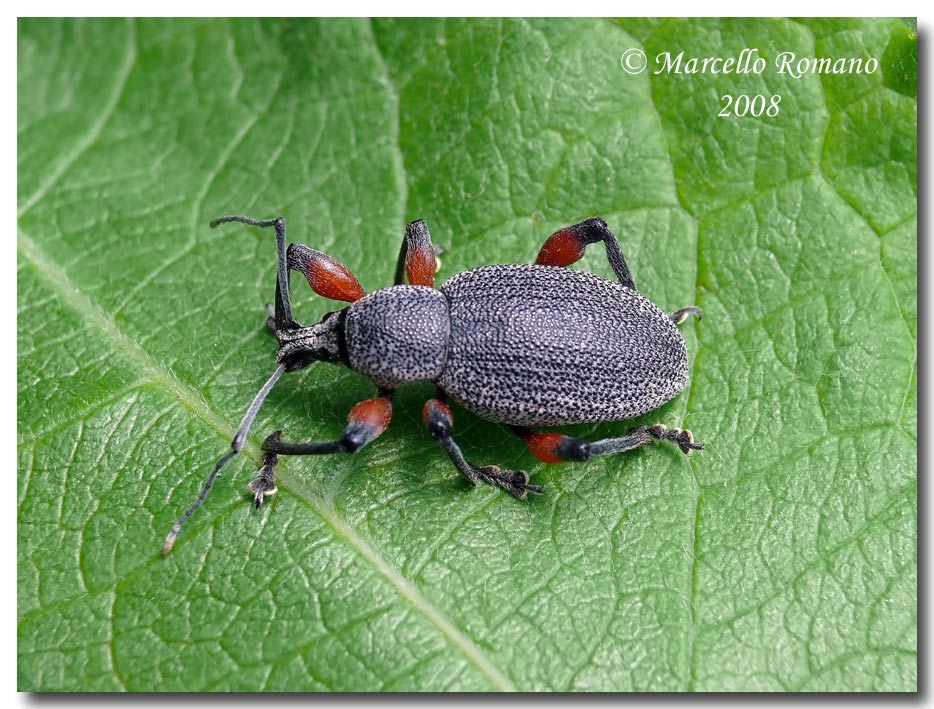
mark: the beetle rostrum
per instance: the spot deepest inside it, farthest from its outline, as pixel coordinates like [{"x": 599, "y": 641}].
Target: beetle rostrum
[{"x": 521, "y": 344}]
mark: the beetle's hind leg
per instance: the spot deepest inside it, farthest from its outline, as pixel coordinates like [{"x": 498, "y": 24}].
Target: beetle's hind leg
[
  {"x": 679, "y": 316},
  {"x": 566, "y": 246},
  {"x": 558, "y": 448},
  {"x": 647, "y": 435},
  {"x": 439, "y": 420}
]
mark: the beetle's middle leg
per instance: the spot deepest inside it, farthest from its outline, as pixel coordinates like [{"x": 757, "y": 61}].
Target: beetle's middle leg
[
  {"x": 418, "y": 257},
  {"x": 439, "y": 420},
  {"x": 558, "y": 448},
  {"x": 365, "y": 422}
]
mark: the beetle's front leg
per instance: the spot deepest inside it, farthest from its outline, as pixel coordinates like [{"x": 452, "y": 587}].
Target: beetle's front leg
[
  {"x": 326, "y": 276},
  {"x": 365, "y": 422},
  {"x": 264, "y": 484},
  {"x": 439, "y": 420}
]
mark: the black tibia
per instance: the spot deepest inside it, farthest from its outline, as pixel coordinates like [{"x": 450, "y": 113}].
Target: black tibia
[
  {"x": 594, "y": 230},
  {"x": 416, "y": 256},
  {"x": 679, "y": 316},
  {"x": 557, "y": 448},
  {"x": 366, "y": 422},
  {"x": 439, "y": 421},
  {"x": 644, "y": 436}
]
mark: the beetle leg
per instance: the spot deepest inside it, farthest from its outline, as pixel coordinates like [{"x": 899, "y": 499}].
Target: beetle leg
[
  {"x": 271, "y": 317},
  {"x": 558, "y": 448},
  {"x": 264, "y": 484},
  {"x": 553, "y": 447},
  {"x": 439, "y": 420},
  {"x": 417, "y": 256},
  {"x": 365, "y": 422},
  {"x": 646, "y": 435},
  {"x": 326, "y": 276},
  {"x": 566, "y": 246},
  {"x": 679, "y": 316}
]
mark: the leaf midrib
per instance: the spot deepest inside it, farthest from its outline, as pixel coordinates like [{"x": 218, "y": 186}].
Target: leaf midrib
[{"x": 157, "y": 373}]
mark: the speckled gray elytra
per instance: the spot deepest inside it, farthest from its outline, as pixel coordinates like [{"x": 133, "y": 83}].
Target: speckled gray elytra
[
  {"x": 534, "y": 345},
  {"x": 521, "y": 344}
]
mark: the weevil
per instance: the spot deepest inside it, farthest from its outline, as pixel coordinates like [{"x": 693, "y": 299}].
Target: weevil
[{"x": 526, "y": 345}]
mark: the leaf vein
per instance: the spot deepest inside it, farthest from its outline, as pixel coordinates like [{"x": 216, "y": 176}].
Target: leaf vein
[{"x": 890, "y": 504}]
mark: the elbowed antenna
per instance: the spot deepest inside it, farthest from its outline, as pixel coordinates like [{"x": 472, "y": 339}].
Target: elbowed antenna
[
  {"x": 283, "y": 293},
  {"x": 236, "y": 445}
]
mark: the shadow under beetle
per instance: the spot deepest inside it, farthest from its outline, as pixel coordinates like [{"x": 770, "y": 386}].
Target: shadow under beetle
[{"x": 521, "y": 344}]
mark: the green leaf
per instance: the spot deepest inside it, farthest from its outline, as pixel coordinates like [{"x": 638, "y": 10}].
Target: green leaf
[{"x": 782, "y": 557}]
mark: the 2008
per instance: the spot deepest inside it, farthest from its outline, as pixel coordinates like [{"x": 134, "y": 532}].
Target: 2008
[{"x": 754, "y": 106}]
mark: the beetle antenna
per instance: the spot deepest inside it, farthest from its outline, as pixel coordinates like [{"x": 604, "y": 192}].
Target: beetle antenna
[
  {"x": 283, "y": 296},
  {"x": 236, "y": 445}
]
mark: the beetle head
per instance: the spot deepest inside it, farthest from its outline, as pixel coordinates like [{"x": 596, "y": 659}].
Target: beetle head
[{"x": 322, "y": 342}]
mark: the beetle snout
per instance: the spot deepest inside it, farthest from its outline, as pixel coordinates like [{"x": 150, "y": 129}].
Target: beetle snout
[
  {"x": 296, "y": 348},
  {"x": 322, "y": 342}
]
